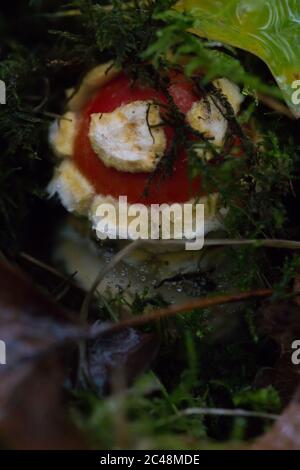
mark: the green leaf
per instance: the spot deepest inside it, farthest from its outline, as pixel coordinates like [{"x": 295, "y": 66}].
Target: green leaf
[{"x": 270, "y": 29}]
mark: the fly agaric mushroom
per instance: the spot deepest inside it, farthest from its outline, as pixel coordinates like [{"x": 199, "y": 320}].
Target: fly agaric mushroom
[{"x": 113, "y": 136}]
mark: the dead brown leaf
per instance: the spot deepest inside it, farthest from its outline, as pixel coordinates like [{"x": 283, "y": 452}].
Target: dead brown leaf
[
  {"x": 37, "y": 333},
  {"x": 34, "y": 328}
]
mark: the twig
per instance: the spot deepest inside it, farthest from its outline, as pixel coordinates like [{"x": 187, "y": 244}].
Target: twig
[
  {"x": 172, "y": 310},
  {"x": 183, "y": 308},
  {"x": 44, "y": 266},
  {"x": 227, "y": 412},
  {"x": 266, "y": 243},
  {"x": 86, "y": 332},
  {"x": 277, "y": 106}
]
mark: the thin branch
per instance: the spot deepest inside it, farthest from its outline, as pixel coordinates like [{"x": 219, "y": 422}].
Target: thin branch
[
  {"x": 276, "y": 105},
  {"x": 228, "y": 412},
  {"x": 84, "y": 332},
  {"x": 183, "y": 308},
  {"x": 44, "y": 266},
  {"x": 266, "y": 243}
]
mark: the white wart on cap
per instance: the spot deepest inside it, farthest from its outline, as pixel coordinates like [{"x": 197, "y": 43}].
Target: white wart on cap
[
  {"x": 207, "y": 116},
  {"x": 131, "y": 138}
]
